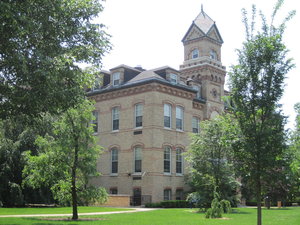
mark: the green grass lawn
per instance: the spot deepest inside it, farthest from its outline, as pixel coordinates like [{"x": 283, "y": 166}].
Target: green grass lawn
[
  {"x": 56, "y": 210},
  {"x": 243, "y": 216}
]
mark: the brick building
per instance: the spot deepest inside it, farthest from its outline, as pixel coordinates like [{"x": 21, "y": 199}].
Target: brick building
[{"x": 144, "y": 117}]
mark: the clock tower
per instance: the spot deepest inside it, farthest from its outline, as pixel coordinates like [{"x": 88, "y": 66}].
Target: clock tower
[{"x": 202, "y": 67}]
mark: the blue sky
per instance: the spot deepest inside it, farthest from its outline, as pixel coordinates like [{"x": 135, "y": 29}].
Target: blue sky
[{"x": 149, "y": 33}]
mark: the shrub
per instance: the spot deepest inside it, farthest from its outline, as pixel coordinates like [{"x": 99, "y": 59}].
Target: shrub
[
  {"x": 174, "y": 204},
  {"x": 168, "y": 204},
  {"x": 226, "y": 207},
  {"x": 153, "y": 205}
]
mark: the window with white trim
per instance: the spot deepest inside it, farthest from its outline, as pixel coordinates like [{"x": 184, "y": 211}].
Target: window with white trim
[
  {"x": 195, "y": 53},
  {"x": 173, "y": 78},
  {"x": 167, "y": 194},
  {"x": 179, "y": 118},
  {"x": 95, "y": 121},
  {"x": 138, "y": 111},
  {"x": 179, "y": 161},
  {"x": 213, "y": 54},
  {"x": 167, "y": 115},
  {"x": 195, "y": 125},
  {"x": 116, "y": 79},
  {"x": 114, "y": 161},
  {"x": 198, "y": 89},
  {"x": 167, "y": 159},
  {"x": 115, "y": 118},
  {"x": 137, "y": 159}
]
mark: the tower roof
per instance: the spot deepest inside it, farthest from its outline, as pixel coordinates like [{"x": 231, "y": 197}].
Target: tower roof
[
  {"x": 204, "y": 26},
  {"x": 203, "y": 21}
]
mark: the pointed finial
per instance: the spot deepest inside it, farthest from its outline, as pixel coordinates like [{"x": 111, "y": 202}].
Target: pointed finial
[{"x": 201, "y": 7}]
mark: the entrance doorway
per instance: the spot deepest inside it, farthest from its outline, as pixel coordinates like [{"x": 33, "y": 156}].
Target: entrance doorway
[{"x": 137, "y": 196}]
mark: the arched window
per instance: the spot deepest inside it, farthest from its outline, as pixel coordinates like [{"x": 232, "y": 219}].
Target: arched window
[
  {"x": 167, "y": 160},
  {"x": 179, "y": 161},
  {"x": 179, "y": 118},
  {"x": 213, "y": 54},
  {"x": 115, "y": 118},
  {"x": 167, "y": 115},
  {"x": 137, "y": 159},
  {"x": 114, "y": 161},
  {"x": 195, "y": 125},
  {"x": 195, "y": 53},
  {"x": 138, "y": 111}
]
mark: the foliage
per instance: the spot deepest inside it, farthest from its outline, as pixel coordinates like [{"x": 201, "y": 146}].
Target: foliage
[
  {"x": 257, "y": 84},
  {"x": 295, "y": 152},
  {"x": 211, "y": 162},
  {"x": 42, "y": 44},
  {"x": 226, "y": 207},
  {"x": 67, "y": 159},
  {"x": 16, "y": 136},
  {"x": 218, "y": 207},
  {"x": 168, "y": 204}
]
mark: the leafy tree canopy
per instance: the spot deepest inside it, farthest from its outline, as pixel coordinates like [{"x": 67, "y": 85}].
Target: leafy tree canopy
[
  {"x": 210, "y": 156},
  {"x": 42, "y": 44},
  {"x": 68, "y": 159},
  {"x": 257, "y": 84}
]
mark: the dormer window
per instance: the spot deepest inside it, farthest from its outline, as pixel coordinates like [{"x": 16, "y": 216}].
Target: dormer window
[
  {"x": 116, "y": 79},
  {"x": 173, "y": 78},
  {"x": 213, "y": 54},
  {"x": 198, "y": 89},
  {"x": 195, "y": 54}
]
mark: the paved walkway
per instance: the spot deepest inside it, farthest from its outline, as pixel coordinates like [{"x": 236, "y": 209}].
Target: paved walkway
[{"x": 82, "y": 214}]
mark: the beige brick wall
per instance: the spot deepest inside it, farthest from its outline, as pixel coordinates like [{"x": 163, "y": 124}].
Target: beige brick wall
[{"x": 117, "y": 201}]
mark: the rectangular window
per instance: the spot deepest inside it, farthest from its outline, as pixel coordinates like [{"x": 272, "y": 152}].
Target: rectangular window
[
  {"x": 114, "y": 161},
  {"x": 167, "y": 194},
  {"x": 195, "y": 54},
  {"x": 115, "y": 118},
  {"x": 167, "y": 115},
  {"x": 116, "y": 79},
  {"x": 137, "y": 160},
  {"x": 179, "y": 194},
  {"x": 173, "y": 78},
  {"x": 138, "y": 115},
  {"x": 113, "y": 191},
  {"x": 95, "y": 121},
  {"x": 195, "y": 125},
  {"x": 167, "y": 159},
  {"x": 179, "y": 118},
  {"x": 179, "y": 161}
]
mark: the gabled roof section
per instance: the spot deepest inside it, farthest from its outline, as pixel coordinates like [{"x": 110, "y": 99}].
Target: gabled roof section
[
  {"x": 203, "y": 25},
  {"x": 148, "y": 74}
]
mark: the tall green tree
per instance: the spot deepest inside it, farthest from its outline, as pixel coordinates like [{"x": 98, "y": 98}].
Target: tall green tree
[
  {"x": 42, "y": 44},
  {"x": 210, "y": 157},
  {"x": 68, "y": 159},
  {"x": 295, "y": 151},
  {"x": 257, "y": 84}
]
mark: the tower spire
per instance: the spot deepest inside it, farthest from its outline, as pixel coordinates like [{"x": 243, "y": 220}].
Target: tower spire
[{"x": 202, "y": 8}]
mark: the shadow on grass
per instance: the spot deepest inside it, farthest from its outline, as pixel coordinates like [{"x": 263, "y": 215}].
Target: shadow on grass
[{"x": 43, "y": 221}]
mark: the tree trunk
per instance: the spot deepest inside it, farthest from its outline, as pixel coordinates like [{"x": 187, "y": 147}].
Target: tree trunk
[
  {"x": 74, "y": 191},
  {"x": 258, "y": 200}
]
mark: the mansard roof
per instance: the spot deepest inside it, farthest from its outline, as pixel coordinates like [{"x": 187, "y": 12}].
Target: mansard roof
[{"x": 203, "y": 26}]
